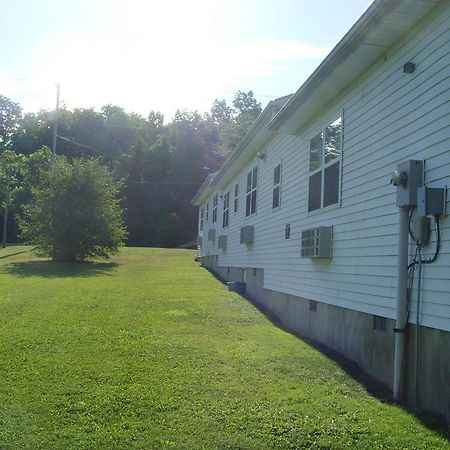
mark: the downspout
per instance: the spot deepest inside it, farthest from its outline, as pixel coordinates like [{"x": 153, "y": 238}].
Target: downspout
[{"x": 402, "y": 301}]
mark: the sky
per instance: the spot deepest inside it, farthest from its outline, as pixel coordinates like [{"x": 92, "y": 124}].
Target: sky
[{"x": 164, "y": 55}]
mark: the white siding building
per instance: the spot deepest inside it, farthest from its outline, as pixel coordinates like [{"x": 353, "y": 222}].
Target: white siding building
[{"x": 324, "y": 158}]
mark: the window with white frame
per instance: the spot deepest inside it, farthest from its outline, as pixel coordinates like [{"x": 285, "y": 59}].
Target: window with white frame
[
  {"x": 325, "y": 151},
  {"x": 236, "y": 198},
  {"x": 250, "y": 200},
  {"x": 226, "y": 210},
  {"x": 276, "y": 191},
  {"x": 214, "y": 209},
  {"x": 207, "y": 212},
  {"x": 202, "y": 214}
]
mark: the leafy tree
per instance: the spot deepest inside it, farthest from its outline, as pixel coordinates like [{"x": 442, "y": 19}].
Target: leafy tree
[
  {"x": 220, "y": 114},
  {"x": 10, "y": 114},
  {"x": 163, "y": 164},
  {"x": 75, "y": 214},
  {"x": 246, "y": 104},
  {"x": 11, "y": 173},
  {"x": 246, "y": 111}
]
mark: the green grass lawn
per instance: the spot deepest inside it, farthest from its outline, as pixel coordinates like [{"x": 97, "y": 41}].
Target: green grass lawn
[{"x": 149, "y": 350}]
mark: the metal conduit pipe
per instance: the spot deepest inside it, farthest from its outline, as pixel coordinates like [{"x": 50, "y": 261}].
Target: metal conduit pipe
[{"x": 402, "y": 299}]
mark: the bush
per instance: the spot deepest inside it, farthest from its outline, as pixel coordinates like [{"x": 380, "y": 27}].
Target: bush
[{"x": 74, "y": 213}]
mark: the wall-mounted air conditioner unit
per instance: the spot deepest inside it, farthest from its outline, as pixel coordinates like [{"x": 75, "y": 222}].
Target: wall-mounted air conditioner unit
[
  {"x": 316, "y": 242},
  {"x": 247, "y": 234},
  {"x": 222, "y": 242},
  {"x": 211, "y": 235}
]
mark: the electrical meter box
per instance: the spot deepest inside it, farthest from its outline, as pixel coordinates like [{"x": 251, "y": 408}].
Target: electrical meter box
[{"x": 411, "y": 178}]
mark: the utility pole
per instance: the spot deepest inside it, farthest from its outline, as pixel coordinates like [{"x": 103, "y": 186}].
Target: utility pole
[
  {"x": 55, "y": 127},
  {"x": 5, "y": 217}
]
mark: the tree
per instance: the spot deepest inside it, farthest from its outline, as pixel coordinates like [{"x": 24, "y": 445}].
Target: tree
[
  {"x": 11, "y": 173},
  {"x": 75, "y": 214},
  {"x": 246, "y": 111},
  {"x": 10, "y": 114}
]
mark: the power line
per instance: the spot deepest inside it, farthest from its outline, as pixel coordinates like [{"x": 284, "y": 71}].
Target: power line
[
  {"x": 129, "y": 181},
  {"x": 85, "y": 146}
]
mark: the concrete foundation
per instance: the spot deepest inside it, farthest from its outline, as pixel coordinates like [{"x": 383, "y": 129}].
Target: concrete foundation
[{"x": 358, "y": 336}]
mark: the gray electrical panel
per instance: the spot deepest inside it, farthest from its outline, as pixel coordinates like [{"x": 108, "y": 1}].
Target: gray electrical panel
[
  {"x": 222, "y": 242},
  {"x": 247, "y": 234},
  {"x": 408, "y": 178},
  {"x": 316, "y": 242},
  {"x": 430, "y": 201},
  {"x": 211, "y": 235},
  {"x": 421, "y": 230}
]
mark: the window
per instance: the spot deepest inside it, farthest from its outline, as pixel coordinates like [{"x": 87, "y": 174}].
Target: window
[
  {"x": 313, "y": 306},
  {"x": 325, "y": 152},
  {"x": 250, "y": 201},
  {"x": 207, "y": 211},
  {"x": 276, "y": 186},
  {"x": 287, "y": 231},
  {"x": 236, "y": 195},
  {"x": 226, "y": 210},
  {"x": 214, "y": 209},
  {"x": 202, "y": 213}
]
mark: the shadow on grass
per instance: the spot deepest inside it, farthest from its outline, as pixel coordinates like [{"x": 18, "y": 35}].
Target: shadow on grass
[
  {"x": 50, "y": 269},
  {"x": 374, "y": 387},
  {"x": 17, "y": 253}
]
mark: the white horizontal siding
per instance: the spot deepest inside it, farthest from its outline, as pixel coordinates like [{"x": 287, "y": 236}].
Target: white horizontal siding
[{"x": 389, "y": 117}]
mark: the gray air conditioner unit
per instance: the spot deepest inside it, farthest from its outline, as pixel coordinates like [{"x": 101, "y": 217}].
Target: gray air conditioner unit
[
  {"x": 211, "y": 235},
  {"x": 247, "y": 234},
  {"x": 222, "y": 242},
  {"x": 316, "y": 242}
]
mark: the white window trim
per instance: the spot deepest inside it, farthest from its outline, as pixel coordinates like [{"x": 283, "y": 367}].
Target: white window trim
[
  {"x": 215, "y": 207},
  {"x": 236, "y": 199},
  {"x": 323, "y": 166},
  {"x": 202, "y": 216},
  {"x": 276, "y": 208},
  {"x": 250, "y": 192},
  {"x": 226, "y": 210}
]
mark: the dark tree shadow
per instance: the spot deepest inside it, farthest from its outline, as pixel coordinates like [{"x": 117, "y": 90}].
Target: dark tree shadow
[
  {"x": 17, "y": 253},
  {"x": 51, "y": 269}
]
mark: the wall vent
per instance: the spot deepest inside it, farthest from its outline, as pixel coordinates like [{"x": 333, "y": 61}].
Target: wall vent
[
  {"x": 316, "y": 242},
  {"x": 222, "y": 242},
  {"x": 379, "y": 323},
  {"x": 247, "y": 234},
  {"x": 211, "y": 235}
]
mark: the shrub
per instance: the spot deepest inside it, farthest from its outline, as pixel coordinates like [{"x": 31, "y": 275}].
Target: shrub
[{"x": 75, "y": 213}]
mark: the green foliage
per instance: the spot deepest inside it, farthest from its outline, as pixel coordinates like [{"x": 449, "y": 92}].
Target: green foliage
[
  {"x": 163, "y": 164},
  {"x": 150, "y": 351},
  {"x": 75, "y": 214},
  {"x": 9, "y": 117},
  {"x": 12, "y": 167},
  {"x": 247, "y": 109}
]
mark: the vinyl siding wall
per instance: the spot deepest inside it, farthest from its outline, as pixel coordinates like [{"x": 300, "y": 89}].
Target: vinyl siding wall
[{"x": 389, "y": 117}]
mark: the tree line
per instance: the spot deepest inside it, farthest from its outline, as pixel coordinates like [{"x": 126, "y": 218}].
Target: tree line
[{"x": 161, "y": 164}]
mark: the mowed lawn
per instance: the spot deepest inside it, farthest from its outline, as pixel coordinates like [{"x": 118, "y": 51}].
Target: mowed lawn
[{"x": 149, "y": 350}]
